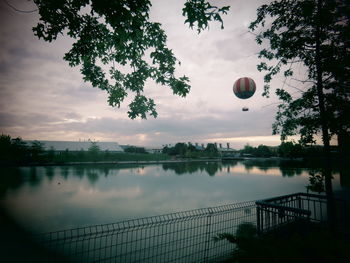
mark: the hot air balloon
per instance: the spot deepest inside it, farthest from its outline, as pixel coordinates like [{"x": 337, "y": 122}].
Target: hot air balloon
[{"x": 244, "y": 88}]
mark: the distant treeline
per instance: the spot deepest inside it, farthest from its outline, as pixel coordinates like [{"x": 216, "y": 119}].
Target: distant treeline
[
  {"x": 285, "y": 150},
  {"x": 191, "y": 151},
  {"x": 17, "y": 152}
]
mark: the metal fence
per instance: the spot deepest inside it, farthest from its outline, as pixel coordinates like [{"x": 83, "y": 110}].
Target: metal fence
[
  {"x": 279, "y": 211},
  {"x": 177, "y": 237},
  {"x": 180, "y": 237}
]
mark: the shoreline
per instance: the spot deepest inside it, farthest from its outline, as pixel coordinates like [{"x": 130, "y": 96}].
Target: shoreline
[
  {"x": 142, "y": 162},
  {"x": 117, "y": 162}
]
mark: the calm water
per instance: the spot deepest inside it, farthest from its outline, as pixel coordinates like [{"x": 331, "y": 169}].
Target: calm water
[{"x": 53, "y": 198}]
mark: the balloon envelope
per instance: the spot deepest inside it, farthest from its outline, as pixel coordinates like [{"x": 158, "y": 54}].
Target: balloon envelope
[{"x": 244, "y": 88}]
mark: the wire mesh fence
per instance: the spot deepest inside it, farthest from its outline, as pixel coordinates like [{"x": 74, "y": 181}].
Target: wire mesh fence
[
  {"x": 180, "y": 237},
  {"x": 177, "y": 237}
]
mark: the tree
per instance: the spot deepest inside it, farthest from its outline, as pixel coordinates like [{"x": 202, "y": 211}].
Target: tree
[
  {"x": 211, "y": 150},
  {"x": 51, "y": 154},
  {"x": 118, "y": 35},
  {"x": 290, "y": 150},
  {"x": 315, "y": 34},
  {"x": 263, "y": 151},
  {"x": 5, "y": 147},
  {"x": 248, "y": 149},
  {"x": 12, "y": 150},
  {"x": 192, "y": 148},
  {"x": 166, "y": 149},
  {"x": 36, "y": 149},
  {"x": 180, "y": 148},
  {"x": 94, "y": 150}
]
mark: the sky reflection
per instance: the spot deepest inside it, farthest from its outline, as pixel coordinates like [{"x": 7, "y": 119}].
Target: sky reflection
[{"x": 51, "y": 198}]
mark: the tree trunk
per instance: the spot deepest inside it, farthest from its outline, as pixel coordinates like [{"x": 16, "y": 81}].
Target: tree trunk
[{"x": 327, "y": 169}]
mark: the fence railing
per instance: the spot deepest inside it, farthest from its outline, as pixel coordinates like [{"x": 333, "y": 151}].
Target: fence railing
[
  {"x": 179, "y": 237},
  {"x": 278, "y": 211}
]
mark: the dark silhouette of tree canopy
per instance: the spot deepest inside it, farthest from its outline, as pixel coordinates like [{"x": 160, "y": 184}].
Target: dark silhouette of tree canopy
[
  {"x": 211, "y": 149},
  {"x": 118, "y": 47},
  {"x": 290, "y": 150},
  {"x": 316, "y": 34},
  {"x": 12, "y": 150}
]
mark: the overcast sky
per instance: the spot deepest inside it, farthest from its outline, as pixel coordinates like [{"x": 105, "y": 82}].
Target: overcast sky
[{"x": 42, "y": 98}]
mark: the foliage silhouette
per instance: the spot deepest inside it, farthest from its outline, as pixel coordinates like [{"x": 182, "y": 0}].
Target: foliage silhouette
[
  {"x": 315, "y": 34},
  {"x": 292, "y": 243},
  {"x": 119, "y": 35},
  {"x": 316, "y": 182}
]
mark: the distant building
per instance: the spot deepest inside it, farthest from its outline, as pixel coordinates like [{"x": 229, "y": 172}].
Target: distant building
[
  {"x": 154, "y": 149},
  {"x": 227, "y": 151},
  {"x": 60, "y": 146}
]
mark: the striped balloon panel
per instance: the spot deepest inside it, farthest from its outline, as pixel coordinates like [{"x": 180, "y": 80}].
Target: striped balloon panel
[{"x": 244, "y": 88}]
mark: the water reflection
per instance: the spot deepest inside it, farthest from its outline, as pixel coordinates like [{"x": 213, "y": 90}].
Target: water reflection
[
  {"x": 58, "y": 197},
  {"x": 11, "y": 178},
  {"x": 14, "y": 177},
  {"x": 290, "y": 172},
  {"x": 33, "y": 177},
  {"x": 49, "y": 172},
  {"x": 211, "y": 168}
]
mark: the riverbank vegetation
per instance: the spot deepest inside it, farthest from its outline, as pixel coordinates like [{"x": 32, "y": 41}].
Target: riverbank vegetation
[
  {"x": 18, "y": 152},
  {"x": 286, "y": 150},
  {"x": 15, "y": 151},
  {"x": 189, "y": 150}
]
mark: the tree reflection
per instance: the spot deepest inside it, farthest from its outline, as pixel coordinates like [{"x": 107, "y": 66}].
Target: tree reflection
[
  {"x": 92, "y": 176},
  {"x": 79, "y": 171},
  {"x": 248, "y": 166},
  {"x": 290, "y": 172},
  {"x": 91, "y": 172},
  {"x": 65, "y": 171},
  {"x": 14, "y": 177},
  {"x": 211, "y": 168},
  {"x": 49, "y": 172},
  {"x": 11, "y": 178},
  {"x": 34, "y": 179}
]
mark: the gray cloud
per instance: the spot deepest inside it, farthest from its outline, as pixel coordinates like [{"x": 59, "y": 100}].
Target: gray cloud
[
  {"x": 239, "y": 45},
  {"x": 41, "y": 97},
  {"x": 225, "y": 126},
  {"x": 26, "y": 120}
]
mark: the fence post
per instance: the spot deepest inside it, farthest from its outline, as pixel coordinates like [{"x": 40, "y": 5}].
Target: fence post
[
  {"x": 207, "y": 236},
  {"x": 258, "y": 226}
]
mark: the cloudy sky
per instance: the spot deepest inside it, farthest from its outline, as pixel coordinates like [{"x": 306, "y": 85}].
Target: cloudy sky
[{"x": 42, "y": 98}]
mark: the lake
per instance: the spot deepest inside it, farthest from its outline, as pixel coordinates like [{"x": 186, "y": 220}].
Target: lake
[{"x": 52, "y": 198}]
